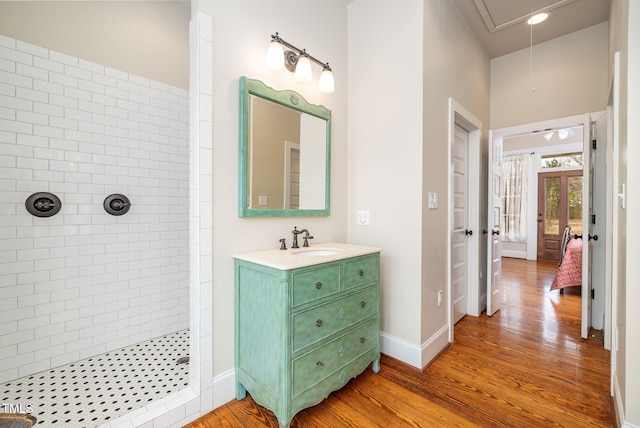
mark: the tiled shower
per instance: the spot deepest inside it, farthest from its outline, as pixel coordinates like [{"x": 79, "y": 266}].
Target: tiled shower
[{"x": 84, "y": 282}]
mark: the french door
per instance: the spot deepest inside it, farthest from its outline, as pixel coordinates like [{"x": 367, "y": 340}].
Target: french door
[{"x": 559, "y": 205}]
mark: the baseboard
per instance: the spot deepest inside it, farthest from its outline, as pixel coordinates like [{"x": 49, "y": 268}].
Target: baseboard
[
  {"x": 435, "y": 345},
  {"x": 618, "y": 406},
  {"x": 409, "y": 353},
  {"x": 400, "y": 349},
  {"x": 513, "y": 253},
  {"x": 224, "y": 388}
]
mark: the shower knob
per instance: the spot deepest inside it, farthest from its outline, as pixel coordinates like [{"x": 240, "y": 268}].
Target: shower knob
[
  {"x": 116, "y": 204},
  {"x": 43, "y": 204}
]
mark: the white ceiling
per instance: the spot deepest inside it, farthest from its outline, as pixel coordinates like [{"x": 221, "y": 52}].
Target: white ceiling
[{"x": 501, "y": 26}]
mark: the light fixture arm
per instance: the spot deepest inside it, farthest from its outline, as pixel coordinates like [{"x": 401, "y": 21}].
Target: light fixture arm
[{"x": 298, "y": 51}]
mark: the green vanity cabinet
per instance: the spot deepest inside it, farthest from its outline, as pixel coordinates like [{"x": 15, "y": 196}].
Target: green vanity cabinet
[{"x": 303, "y": 332}]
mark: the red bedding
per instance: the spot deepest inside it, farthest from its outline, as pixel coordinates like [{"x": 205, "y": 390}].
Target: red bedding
[{"x": 570, "y": 271}]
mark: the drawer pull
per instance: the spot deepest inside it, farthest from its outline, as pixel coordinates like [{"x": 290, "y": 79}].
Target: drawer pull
[
  {"x": 319, "y": 323},
  {"x": 319, "y": 363},
  {"x": 362, "y": 339},
  {"x": 361, "y": 272},
  {"x": 363, "y": 304},
  {"x": 318, "y": 285}
]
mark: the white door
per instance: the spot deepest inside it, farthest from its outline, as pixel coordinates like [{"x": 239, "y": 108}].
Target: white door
[
  {"x": 461, "y": 232},
  {"x": 587, "y": 228},
  {"x": 598, "y": 248},
  {"x": 494, "y": 214}
]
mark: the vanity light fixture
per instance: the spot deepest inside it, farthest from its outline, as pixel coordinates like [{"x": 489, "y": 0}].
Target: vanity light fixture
[{"x": 297, "y": 61}]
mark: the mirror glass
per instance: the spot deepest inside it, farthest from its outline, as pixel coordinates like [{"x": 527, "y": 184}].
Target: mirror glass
[{"x": 284, "y": 153}]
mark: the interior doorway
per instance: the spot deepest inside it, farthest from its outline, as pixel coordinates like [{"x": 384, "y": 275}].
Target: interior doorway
[
  {"x": 591, "y": 127},
  {"x": 463, "y": 243}
]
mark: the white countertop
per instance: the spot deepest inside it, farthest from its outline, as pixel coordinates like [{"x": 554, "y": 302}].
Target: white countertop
[{"x": 291, "y": 259}]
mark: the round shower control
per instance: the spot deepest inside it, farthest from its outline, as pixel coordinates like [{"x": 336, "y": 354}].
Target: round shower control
[
  {"x": 116, "y": 204},
  {"x": 43, "y": 204}
]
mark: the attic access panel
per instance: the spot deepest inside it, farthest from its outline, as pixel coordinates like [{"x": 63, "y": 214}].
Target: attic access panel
[{"x": 499, "y": 14}]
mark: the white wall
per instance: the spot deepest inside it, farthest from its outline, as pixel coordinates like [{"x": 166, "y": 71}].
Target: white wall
[
  {"x": 404, "y": 64},
  {"x": 455, "y": 65},
  {"x": 625, "y": 38},
  {"x": 146, "y": 38},
  {"x": 241, "y": 34},
  {"x": 385, "y": 152},
  {"x": 569, "y": 77},
  {"x": 632, "y": 291}
]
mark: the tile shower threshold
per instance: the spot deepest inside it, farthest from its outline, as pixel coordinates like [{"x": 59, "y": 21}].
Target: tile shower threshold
[{"x": 93, "y": 391}]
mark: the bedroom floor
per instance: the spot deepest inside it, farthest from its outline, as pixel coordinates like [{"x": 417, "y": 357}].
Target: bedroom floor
[{"x": 526, "y": 366}]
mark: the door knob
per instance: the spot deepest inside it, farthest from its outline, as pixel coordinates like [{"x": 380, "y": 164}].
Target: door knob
[
  {"x": 594, "y": 237},
  {"x": 484, "y": 231},
  {"x": 495, "y": 232},
  {"x": 468, "y": 232}
]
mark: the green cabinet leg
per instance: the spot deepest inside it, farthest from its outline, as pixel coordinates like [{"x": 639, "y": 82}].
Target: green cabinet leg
[{"x": 241, "y": 391}]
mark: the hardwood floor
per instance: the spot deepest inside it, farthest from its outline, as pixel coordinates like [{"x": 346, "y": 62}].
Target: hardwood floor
[{"x": 526, "y": 366}]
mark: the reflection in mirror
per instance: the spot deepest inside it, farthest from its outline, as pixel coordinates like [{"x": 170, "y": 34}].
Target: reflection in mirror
[{"x": 284, "y": 153}]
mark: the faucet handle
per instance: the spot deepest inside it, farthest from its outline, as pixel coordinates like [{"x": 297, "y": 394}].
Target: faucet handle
[
  {"x": 306, "y": 243},
  {"x": 283, "y": 244}
]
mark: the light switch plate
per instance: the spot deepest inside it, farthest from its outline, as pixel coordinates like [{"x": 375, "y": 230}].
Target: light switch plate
[
  {"x": 433, "y": 200},
  {"x": 263, "y": 200}
]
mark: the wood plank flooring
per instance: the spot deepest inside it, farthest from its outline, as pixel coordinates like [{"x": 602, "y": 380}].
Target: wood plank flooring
[{"x": 526, "y": 366}]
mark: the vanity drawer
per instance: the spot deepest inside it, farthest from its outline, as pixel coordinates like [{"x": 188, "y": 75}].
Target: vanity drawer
[
  {"x": 317, "y": 365},
  {"x": 315, "y": 284},
  {"x": 361, "y": 271},
  {"x": 315, "y": 324}
]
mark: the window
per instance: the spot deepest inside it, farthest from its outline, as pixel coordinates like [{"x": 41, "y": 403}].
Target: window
[
  {"x": 514, "y": 197},
  {"x": 565, "y": 161}
]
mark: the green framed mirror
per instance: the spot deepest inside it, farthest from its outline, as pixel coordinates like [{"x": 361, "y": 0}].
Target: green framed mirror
[{"x": 285, "y": 153}]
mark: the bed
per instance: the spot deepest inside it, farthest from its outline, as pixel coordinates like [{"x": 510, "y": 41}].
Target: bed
[{"x": 570, "y": 269}]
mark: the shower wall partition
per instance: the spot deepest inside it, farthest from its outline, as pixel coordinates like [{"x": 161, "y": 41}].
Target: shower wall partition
[{"x": 84, "y": 282}]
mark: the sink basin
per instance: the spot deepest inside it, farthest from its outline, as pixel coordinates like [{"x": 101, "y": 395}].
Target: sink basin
[{"x": 318, "y": 252}]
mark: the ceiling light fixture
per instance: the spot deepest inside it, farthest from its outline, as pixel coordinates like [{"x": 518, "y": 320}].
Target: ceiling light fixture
[
  {"x": 297, "y": 61},
  {"x": 562, "y": 133},
  {"x": 537, "y": 18}
]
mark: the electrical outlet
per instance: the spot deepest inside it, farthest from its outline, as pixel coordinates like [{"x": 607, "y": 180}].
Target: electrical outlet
[
  {"x": 363, "y": 218},
  {"x": 439, "y": 298},
  {"x": 263, "y": 200}
]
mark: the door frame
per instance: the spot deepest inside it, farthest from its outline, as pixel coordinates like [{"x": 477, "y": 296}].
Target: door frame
[
  {"x": 458, "y": 115},
  {"x": 565, "y": 122}
]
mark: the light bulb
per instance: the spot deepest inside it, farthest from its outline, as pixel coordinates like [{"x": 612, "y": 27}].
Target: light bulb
[
  {"x": 536, "y": 19},
  {"x": 563, "y": 133},
  {"x": 303, "y": 68},
  {"x": 275, "y": 56},
  {"x": 326, "y": 83}
]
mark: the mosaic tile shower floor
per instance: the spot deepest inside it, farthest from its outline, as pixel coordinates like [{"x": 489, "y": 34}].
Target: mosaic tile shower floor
[{"x": 93, "y": 391}]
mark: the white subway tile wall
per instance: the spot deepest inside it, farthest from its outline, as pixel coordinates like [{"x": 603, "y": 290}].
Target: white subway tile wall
[{"x": 84, "y": 282}]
